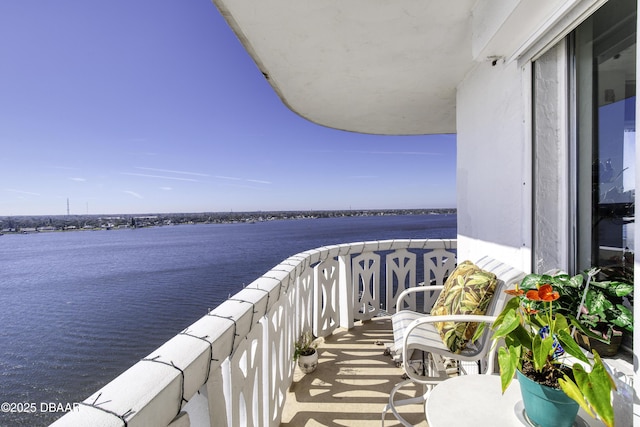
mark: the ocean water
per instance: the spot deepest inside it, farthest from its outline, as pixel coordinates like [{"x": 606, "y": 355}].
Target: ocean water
[{"x": 79, "y": 308}]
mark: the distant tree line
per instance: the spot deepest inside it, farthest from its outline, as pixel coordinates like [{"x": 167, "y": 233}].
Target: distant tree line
[{"x": 42, "y": 223}]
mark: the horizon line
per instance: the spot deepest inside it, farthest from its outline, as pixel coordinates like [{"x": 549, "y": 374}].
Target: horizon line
[{"x": 237, "y": 212}]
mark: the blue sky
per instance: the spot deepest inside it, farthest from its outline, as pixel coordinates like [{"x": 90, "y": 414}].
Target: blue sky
[{"x": 154, "y": 106}]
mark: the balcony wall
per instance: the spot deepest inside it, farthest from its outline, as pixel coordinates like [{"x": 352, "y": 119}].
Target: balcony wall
[{"x": 233, "y": 366}]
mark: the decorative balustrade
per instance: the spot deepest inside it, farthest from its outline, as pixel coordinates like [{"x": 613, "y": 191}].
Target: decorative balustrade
[{"x": 233, "y": 366}]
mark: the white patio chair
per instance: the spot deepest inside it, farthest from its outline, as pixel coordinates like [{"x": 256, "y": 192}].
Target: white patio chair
[{"x": 416, "y": 332}]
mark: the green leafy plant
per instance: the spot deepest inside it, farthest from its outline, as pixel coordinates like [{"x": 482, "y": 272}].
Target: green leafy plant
[
  {"x": 538, "y": 343},
  {"x": 305, "y": 346},
  {"x": 597, "y": 305},
  {"x": 603, "y": 311}
]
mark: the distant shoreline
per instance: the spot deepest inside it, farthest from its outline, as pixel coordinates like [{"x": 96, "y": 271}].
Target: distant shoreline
[{"x": 57, "y": 223}]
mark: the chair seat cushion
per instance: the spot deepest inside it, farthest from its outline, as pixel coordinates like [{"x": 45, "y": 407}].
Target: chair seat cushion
[
  {"x": 424, "y": 338},
  {"x": 468, "y": 290},
  {"x": 400, "y": 321}
]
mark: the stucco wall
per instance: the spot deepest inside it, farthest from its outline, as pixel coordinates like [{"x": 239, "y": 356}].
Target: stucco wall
[{"x": 494, "y": 207}]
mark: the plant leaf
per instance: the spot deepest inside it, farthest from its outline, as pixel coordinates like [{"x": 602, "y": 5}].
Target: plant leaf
[
  {"x": 596, "y": 388},
  {"x": 596, "y": 301},
  {"x": 618, "y": 289},
  {"x": 542, "y": 348},
  {"x": 531, "y": 281},
  {"x": 624, "y": 317},
  {"x": 561, "y": 323},
  {"x": 571, "y": 389},
  {"x": 570, "y": 346},
  {"x": 507, "y": 360},
  {"x": 508, "y": 323},
  {"x": 522, "y": 337},
  {"x": 511, "y": 305},
  {"x": 576, "y": 281},
  {"x": 621, "y": 289}
]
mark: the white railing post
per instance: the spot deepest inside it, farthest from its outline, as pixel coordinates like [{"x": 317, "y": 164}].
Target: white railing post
[
  {"x": 219, "y": 385},
  {"x": 325, "y": 297},
  {"x": 276, "y": 361},
  {"x": 345, "y": 292},
  {"x": 401, "y": 266},
  {"x": 246, "y": 380},
  {"x": 304, "y": 304},
  {"x": 366, "y": 285},
  {"x": 438, "y": 264}
]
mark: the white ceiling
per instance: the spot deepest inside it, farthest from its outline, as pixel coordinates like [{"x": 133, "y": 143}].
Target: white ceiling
[{"x": 370, "y": 66}]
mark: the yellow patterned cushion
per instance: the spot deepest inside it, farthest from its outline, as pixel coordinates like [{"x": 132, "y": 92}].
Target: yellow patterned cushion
[{"x": 468, "y": 290}]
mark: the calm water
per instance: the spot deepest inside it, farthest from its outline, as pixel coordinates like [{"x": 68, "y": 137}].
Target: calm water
[{"x": 79, "y": 308}]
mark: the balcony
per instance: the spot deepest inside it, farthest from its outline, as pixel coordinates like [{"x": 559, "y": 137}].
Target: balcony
[
  {"x": 235, "y": 365},
  {"x": 352, "y": 382}
]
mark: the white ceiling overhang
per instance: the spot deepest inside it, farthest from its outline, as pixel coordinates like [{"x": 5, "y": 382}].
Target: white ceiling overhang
[
  {"x": 388, "y": 67},
  {"x": 361, "y": 65}
]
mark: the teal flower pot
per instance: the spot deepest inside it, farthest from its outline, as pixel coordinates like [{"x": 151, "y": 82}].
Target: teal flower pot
[{"x": 546, "y": 406}]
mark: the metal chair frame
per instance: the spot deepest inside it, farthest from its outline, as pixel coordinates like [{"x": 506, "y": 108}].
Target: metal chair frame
[{"x": 417, "y": 332}]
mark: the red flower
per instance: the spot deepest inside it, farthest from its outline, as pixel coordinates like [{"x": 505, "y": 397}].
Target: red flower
[
  {"x": 544, "y": 293},
  {"x": 547, "y": 293},
  {"x": 515, "y": 292},
  {"x": 532, "y": 294}
]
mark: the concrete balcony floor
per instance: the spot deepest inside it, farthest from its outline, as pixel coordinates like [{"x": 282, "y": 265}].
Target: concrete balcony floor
[{"x": 351, "y": 385}]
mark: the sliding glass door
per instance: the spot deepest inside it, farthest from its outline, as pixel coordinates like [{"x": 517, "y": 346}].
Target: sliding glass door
[{"x": 603, "y": 69}]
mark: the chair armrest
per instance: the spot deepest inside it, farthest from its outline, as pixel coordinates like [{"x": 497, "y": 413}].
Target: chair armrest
[
  {"x": 475, "y": 318},
  {"x": 423, "y": 288}
]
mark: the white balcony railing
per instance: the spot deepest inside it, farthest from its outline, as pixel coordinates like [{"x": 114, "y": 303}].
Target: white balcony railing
[{"x": 234, "y": 365}]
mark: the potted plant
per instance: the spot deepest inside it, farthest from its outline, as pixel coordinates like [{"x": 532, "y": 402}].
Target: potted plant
[
  {"x": 305, "y": 353},
  {"x": 597, "y": 305},
  {"x": 604, "y": 314},
  {"x": 539, "y": 347}
]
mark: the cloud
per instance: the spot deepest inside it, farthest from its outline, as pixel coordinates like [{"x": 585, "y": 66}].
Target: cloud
[
  {"x": 175, "y": 178},
  {"x": 166, "y": 188},
  {"x": 231, "y": 178},
  {"x": 77, "y": 179},
  {"x": 28, "y": 193},
  {"x": 133, "y": 193},
  {"x": 402, "y": 153},
  {"x": 172, "y": 171}
]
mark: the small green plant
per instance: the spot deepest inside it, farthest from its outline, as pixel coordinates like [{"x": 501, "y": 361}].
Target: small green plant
[{"x": 304, "y": 346}]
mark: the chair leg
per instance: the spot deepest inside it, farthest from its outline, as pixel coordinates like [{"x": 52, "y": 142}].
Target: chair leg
[
  {"x": 429, "y": 370},
  {"x": 391, "y": 406}
]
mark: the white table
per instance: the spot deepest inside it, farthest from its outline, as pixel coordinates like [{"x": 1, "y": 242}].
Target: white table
[{"x": 477, "y": 401}]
